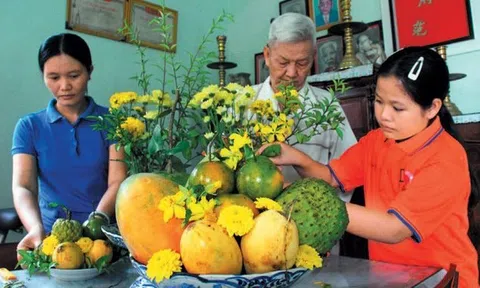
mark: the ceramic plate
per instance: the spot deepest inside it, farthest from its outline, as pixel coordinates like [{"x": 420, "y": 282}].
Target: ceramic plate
[
  {"x": 277, "y": 279},
  {"x": 113, "y": 234},
  {"x": 74, "y": 274}
]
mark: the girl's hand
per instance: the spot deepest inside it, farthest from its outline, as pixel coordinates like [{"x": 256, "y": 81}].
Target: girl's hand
[{"x": 288, "y": 155}]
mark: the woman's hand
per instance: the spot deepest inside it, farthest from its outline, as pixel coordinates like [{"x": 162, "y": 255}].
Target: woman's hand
[
  {"x": 32, "y": 240},
  {"x": 288, "y": 155}
]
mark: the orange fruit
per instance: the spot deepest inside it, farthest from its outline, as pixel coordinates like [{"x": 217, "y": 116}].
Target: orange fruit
[
  {"x": 259, "y": 177},
  {"x": 209, "y": 172}
]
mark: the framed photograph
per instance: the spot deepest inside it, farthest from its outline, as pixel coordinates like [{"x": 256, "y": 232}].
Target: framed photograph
[
  {"x": 142, "y": 13},
  {"x": 294, "y": 6},
  {"x": 368, "y": 45},
  {"x": 96, "y": 17},
  {"x": 261, "y": 69},
  {"x": 329, "y": 53},
  {"x": 324, "y": 13},
  {"x": 430, "y": 23}
]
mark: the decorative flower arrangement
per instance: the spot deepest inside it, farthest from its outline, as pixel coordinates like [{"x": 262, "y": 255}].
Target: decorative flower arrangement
[{"x": 244, "y": 226}]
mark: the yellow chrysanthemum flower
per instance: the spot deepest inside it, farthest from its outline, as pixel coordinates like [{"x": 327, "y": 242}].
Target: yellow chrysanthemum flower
[
  {"x": 85, "y": 244},
  {"x": 49, "y": 244},
  {"x": 144, "y": 99},
  {"x": 237, "y": 220},
  {"x": 133, "y": 126},
  {"x": 151, "y": 115},
  {"x": 307, "y": 257},
  {"x": 209, "y": 135},
  {"x": 234, "y": 87},
  {"x": 206, "y": 119},
  {"x": 267, "y": 203},
  {"x": 119, "y": 99},
  {"x": 163, "y": 264}
]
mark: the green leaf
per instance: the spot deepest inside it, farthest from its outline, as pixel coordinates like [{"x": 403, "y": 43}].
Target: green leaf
[
  {"x": 272, "y": 150},
  {"x": 180, "y": 147},
  {"x": 339, "y": 131},
  {"x": 248, "y": 152}
]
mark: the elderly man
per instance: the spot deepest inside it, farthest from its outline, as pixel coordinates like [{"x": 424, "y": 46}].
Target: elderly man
[
  {"x": 328, "y": 57},
  {"x": 289, "y": 55}
]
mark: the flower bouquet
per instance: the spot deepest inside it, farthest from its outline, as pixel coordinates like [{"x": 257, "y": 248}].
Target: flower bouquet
[{"x": 229, "y": 222}]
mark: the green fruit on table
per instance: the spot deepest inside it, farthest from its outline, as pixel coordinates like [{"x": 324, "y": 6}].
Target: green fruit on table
[
  {"x": 92, "y": 227},
  {"x": 321, "y": 216},
  {"x": 259, "y": 177},
  {"x": 67, "y": 230},
  {"x": 209, "y": 172}
]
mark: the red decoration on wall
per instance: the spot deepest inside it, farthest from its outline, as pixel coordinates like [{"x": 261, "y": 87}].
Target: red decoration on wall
[{"x": 430, "y": 22}]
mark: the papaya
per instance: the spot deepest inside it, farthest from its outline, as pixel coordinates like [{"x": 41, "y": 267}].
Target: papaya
[{"x": 140, "y": 222}]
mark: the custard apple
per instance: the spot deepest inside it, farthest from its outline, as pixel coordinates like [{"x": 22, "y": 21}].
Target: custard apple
[
  {"x": 321, "y": 216},
  {"x": 67, "y": 230}
]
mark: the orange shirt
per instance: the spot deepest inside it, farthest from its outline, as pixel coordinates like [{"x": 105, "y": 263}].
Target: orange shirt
[{"x": 424, "y": 181}]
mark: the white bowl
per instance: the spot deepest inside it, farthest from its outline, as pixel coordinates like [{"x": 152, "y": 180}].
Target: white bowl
[{"x": 74, "y": 274}]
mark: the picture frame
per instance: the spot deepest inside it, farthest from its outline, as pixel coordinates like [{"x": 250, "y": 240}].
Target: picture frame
[
  {"x": 295, "y": 6},
  {"x": 139, "y": 16},
  {"x": 369, "y": 45},
  {"x": 331, "y": 14},
  {"x": 97, "y": 17},
  {"x": 261, "y": 69},
  {"x": 329, "y": 53},
  {"x": 423, "y": 22}
]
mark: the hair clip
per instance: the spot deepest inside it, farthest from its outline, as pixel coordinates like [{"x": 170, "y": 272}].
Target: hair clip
[{"x": 413, "y": 75}]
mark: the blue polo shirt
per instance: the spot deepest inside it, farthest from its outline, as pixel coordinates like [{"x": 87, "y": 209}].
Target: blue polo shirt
[{"x": 72, "y": 160}]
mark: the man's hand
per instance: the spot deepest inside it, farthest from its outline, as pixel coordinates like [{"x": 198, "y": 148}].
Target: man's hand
[{"x": 32, "y": 240}]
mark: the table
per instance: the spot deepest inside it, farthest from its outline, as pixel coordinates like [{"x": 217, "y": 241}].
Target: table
[{"x": 338, "y": 271}]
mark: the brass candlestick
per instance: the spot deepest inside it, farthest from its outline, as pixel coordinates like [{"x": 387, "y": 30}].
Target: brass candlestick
[
  {"x": 347, "y": 28},
  {"x": 221, "y": 65},
  {"x": 452, "y": 108}
]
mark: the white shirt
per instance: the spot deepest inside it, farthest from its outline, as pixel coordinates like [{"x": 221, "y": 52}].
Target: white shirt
[{"x": 321, "y": 148}]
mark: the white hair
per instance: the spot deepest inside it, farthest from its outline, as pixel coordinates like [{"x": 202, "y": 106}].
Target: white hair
[{"x": 291, "y": 27}]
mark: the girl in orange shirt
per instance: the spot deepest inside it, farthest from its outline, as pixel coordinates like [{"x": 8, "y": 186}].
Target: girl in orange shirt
[{"x": 414, "y": 172}]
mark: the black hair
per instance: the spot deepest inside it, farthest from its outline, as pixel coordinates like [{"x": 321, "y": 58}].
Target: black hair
[
  {"x": 432, "y": 82},
  {"x": 65, "y": 43}
]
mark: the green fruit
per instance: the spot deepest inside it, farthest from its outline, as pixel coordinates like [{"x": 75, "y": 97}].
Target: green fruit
[
  {"x": 259, "y": 177},
  {"x": 321, "y": 216},
  {"x": 67, "y": 230},
  {"x": 92, "y": 227},
  {"x": 209, "y": 172}
]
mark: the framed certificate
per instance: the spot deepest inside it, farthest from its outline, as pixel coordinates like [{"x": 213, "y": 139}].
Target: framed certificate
[
  {"x": 141, "y": 15},
  {"x": 97, "y": 17}
]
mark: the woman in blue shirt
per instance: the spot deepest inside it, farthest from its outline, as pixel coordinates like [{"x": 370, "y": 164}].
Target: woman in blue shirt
[{"x": 57, "y": 156}]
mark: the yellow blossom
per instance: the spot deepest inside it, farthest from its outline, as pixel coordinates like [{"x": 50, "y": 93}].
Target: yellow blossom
[
  {"x": 237, "y": 220},
  {"x": 307, "y": 257},
  {"x": 213, "y": 187},
  {"x": 233, "y": 87},
  {"x": 206, "y": 104},
  {"x": 240, "y": 141},
  {"x": 161, "y": 99},
  {"x": 163, "y": 264},
  {"x": 85, "y": 244},
  {"x": 201, "y": 208},
  {"x": 274, "y": 132},
  {"x": 151, "y": 115},
  {"x": 232, "y": 156},
  {"x": 220, "y": 110},
  {"x": 119, "y": 99},
  {"x": 144, "y": 99},
  {"x": 209, "y": 135},
  {"x": 206, "y": 119},
  {"x": 173, "y": 206},
  {"x": 133, "y": 126},
  {"x": 49, "y": 244},
  {"x": 267, "y": 203}
]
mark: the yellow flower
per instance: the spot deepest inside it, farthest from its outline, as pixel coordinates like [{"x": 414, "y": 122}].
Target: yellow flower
[
  {"x": 206, "y": 104},
  {"x": 133, "y": 126},
  {"x": 49, "y": 244},
  {"x": 273, "y": 133},
  {"x": 240, "y": 141},
  {"x": 161, "y": 99},
  {"x": 232, "y": 156},
  {"x": 144, "y": 99},
  {"x": 173, "y": 206},
  {"x": 237, "y": 220},
  {"x": 151, "y": 115},
  {"x": 163, "y": 264},
  {"x": 200, "y": 209},
  {"x": 213, "y": 187},
  {"x": 267, "y": 203},
  {"x": 85, "y": 244},
  {"x": 233, "y": 87},
  {"x": 206, "y": 119},
  {"x": 307, "y": 257},
  {"x": 118, "y": 99},
  {"x": 209, "y": 135}
]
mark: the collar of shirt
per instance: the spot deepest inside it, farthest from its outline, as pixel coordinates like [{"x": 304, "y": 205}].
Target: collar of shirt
[
  {"x": 422, "y": 139},
  {"x": 53, "y": 115}
]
